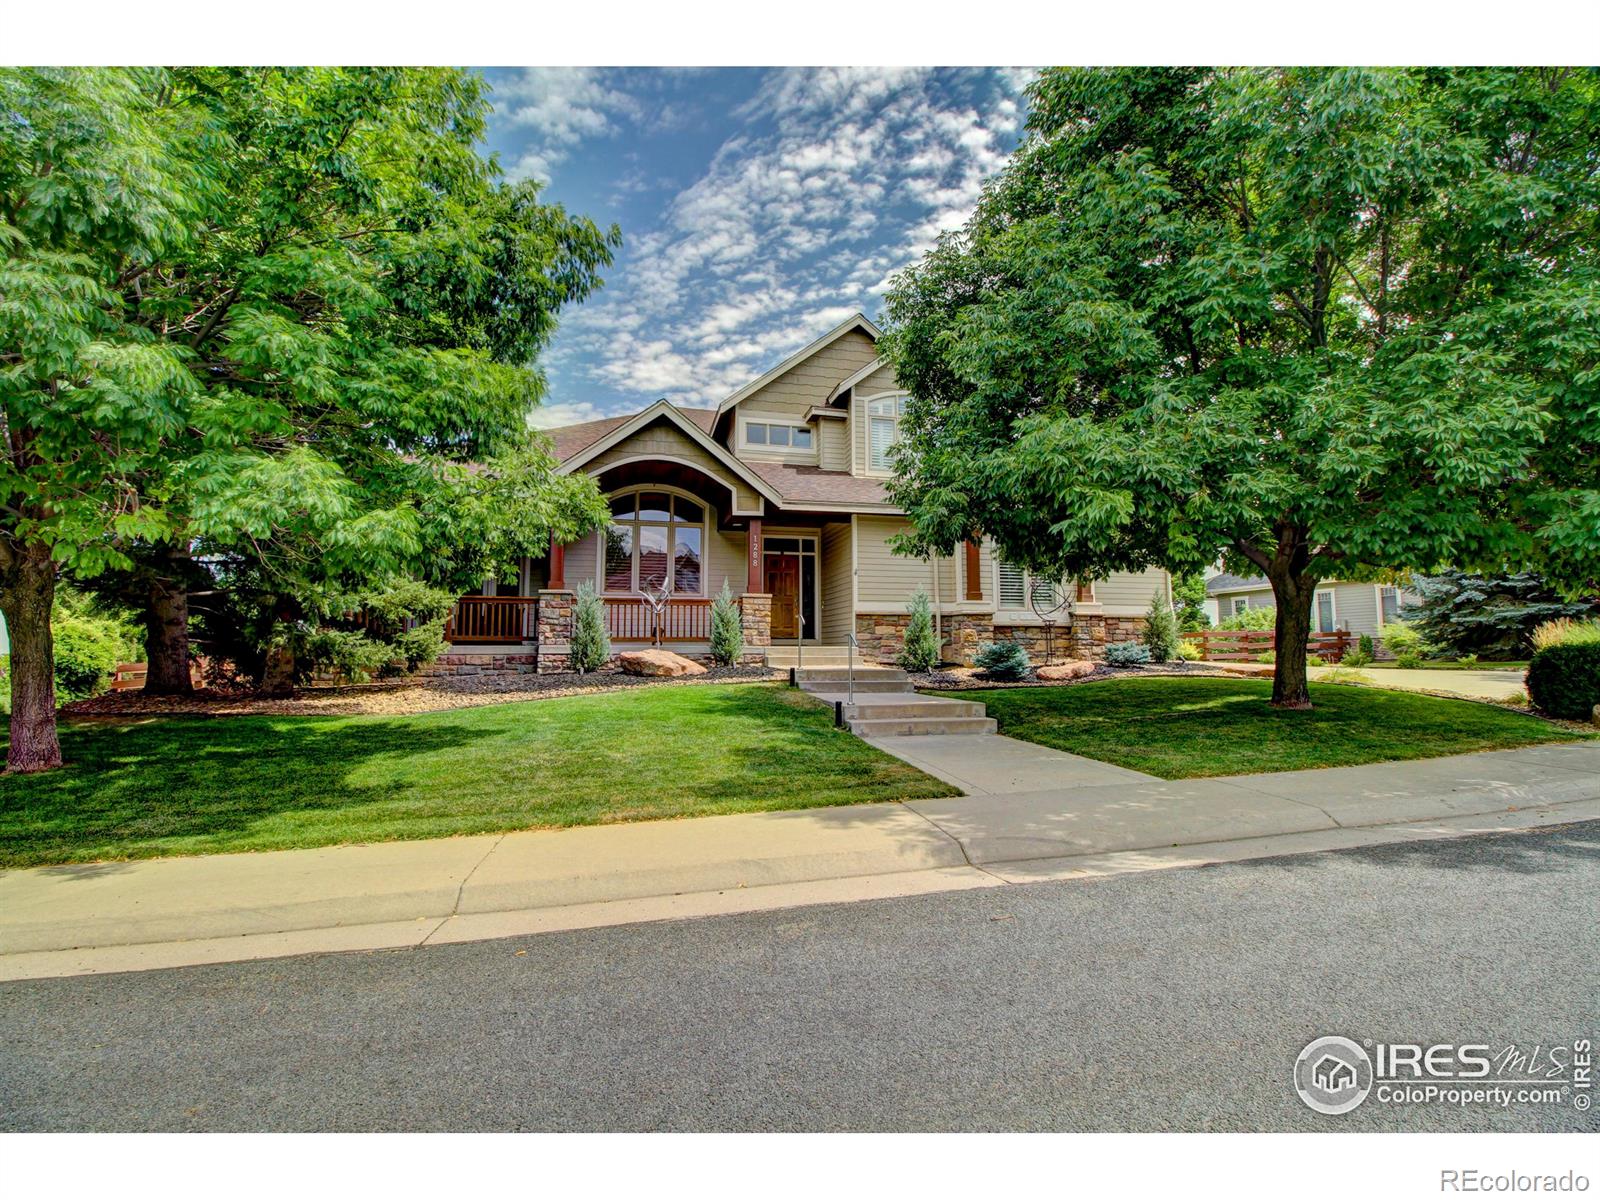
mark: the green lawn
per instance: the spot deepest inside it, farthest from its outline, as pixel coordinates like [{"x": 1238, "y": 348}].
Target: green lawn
[
  {"x": 203, "y": 785},
  {"x": 1185, "y": 728}
]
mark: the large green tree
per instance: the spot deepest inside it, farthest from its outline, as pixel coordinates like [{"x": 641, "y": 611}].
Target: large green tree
[
  {"x": 1329, "y": 321},
  {"x": 265, "y": 316}
]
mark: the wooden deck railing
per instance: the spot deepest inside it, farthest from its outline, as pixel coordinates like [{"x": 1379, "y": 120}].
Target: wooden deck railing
[
  {"x": 493, "y": 619},
  {"x": 1244, "y": 645},
  {"x": 630, "y": 619}
]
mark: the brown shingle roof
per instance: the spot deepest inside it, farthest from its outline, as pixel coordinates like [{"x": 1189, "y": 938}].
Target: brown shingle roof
[
  {"x": 569, "y": 439},
  {"x": 798, "y": 485}
]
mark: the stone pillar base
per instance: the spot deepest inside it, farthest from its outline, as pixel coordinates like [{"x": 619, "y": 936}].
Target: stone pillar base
[
  {"x": 755, "y": 619},
  {"x": 554, "y": 632}
]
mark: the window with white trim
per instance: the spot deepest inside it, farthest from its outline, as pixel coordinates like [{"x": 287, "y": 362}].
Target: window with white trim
[
  {"x": 1240, "y": 603},
  {"x": 883, "y": 430},
  {"x": 655, "y": 539},
  {"x": 1325, "y": 613},
  {"x": 775, "y": 435},
  {"x": 1017, "y": 589},
  {"x": 1388, "y": 605}
]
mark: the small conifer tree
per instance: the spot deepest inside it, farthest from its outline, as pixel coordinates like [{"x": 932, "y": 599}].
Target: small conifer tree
[
  {"x": 590, "y": 647},
  {"x": 727, "y": 630}
]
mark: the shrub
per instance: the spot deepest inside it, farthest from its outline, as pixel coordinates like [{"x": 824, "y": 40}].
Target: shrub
[
  {"x": 1564, "y": 679},
  {"x": 590, "y": 647},
  {"x": 1467, "y": 660},
  {"x": 1364, "y": 645},
  {"x": 1189, "y": 651},
  {"x": 1267, "y": 656},
  {"x": 921, "y": 650},
  {"x": 1566, "y": 632},
  {"x": 419, "y": 645},
  {"x": 1161, "y": 629},
  {"x": 1342, "y": 674},
  {"x": 1189, "y": 602},
  {"x": 1316, "y": 660},
  {"x": 88, "y": 649},
  {"x": 1003, "y": 660},
  {"x": 727, "y": 630},
  {"x": 348, "y": 653},
  {"x": 1251, "y": 618},
  {"x": 1402, "y": 641},
  {"x": 1127, "y": 654},
  {"x": 1408, "y": 661}
]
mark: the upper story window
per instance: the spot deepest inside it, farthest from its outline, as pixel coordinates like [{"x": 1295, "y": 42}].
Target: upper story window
[
  {"x": 883, "y": 430},
  {"x": 773, "y": 435},
  {"x": 655, "y": 539}
]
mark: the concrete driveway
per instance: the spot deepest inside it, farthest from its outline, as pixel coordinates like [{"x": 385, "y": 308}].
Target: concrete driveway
[{"x": 1479, "y": 685}]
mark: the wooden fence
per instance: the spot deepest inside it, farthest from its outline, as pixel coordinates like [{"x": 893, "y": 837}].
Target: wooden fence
[
  {"x": 1245, "y": 645},
  {"x": 630, "y": 619},
  {"x": 493, "y": 619}
]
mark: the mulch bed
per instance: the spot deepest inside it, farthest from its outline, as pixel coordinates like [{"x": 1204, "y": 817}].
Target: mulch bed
[
  {"x": 965, "y": 679},
  {"x": 400, "y": 697}
]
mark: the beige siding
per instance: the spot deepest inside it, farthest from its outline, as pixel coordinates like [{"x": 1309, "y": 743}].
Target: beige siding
[
  {"x": 833, "y": 444},
  {"x": 664, "y": 440},
  {"x": 884, "y": 580},
  {"x": 1127, "y": 593},
  {"x": 583, "y": 560},
  {"x": 838, "y": 614},
  {"x": 881, "y": 380},
  {"x": 808, "y": 382},
  {"x": 1355, "y": 607},
  {"x": 725, "y": 560}
]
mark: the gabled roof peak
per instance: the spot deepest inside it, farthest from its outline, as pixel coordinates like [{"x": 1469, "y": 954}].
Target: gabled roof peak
[{"x": 858, "y": 321}]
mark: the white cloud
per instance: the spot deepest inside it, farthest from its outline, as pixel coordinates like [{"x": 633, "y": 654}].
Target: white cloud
[
  {"x": 835, "y": 180},
  {"x": 560, "y": 107}
]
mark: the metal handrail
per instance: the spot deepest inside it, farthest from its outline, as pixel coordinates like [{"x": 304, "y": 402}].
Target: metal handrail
[{"x": 850, "y": 670}]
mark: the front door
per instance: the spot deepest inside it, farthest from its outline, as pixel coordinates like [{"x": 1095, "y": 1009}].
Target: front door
[{"x": 783, "y": 584}]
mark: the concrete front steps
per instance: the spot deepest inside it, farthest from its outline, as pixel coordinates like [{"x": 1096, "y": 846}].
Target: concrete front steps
[
  {"x": 882, "y": 703},
  {"x": 786, "y": 656}
]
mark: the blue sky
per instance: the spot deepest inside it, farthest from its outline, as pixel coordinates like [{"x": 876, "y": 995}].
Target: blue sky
[{"x": 759, "y": 207}]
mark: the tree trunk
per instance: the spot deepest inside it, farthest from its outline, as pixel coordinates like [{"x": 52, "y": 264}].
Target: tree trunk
[
  {"x": 1294, "y": 594},
  {"x": 166, "y": 631},
  {"x": 28, "y": 589}
]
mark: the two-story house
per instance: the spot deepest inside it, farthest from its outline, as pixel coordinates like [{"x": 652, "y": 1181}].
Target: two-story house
[{"x": 780, "y": 491}]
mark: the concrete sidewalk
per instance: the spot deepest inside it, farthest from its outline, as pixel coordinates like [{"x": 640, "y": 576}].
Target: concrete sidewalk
[{"x": 1040, "y": 815}]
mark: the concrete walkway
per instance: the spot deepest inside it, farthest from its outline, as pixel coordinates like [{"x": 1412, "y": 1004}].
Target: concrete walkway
[
  {"x": 1477, "y": 685},
  {"x": 1032, "y": 814}
]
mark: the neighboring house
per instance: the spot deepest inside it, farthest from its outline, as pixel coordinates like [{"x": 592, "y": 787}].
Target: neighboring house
[
  {"x": 1356, "y": 607},
  {"x": 779, "y": 491}
]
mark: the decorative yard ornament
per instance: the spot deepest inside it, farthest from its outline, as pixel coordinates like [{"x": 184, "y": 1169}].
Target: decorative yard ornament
[
  {"x": 656, "y": 596},
  {"x": 1050, "y": 603}
]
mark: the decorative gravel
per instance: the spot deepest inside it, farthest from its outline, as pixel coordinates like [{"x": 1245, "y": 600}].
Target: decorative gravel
[{"x": 402, "y": 696}]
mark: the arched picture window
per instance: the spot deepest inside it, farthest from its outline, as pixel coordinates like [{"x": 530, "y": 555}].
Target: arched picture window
[
  {"x": 883, "y": 429},
  {"x": 655, "y": 539}
]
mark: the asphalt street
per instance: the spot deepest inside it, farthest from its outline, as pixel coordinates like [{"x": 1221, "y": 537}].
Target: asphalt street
[{"x": 1167, "y": 1000}]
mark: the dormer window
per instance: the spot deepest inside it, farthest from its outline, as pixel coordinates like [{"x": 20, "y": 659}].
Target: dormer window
[
  {"x": 773, "y": 435},
  {"x": 883, "y": 430}
]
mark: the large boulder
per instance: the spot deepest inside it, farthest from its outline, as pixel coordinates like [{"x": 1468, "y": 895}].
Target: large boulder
[
  {"x": 1076, "y": 669},
  {"x": 658, "y": 662}
]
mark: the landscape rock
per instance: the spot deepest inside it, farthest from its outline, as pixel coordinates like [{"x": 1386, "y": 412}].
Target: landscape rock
[
  {"x": 658, "y": 663},
  {"x": 1076, "y": 669}
]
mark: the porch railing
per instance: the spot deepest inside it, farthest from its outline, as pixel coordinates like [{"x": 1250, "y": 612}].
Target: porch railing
[
  {"x": 493, "y": 619},
  {"x": 1243, "y": 645},
  {"x": 684, "y": 619}
]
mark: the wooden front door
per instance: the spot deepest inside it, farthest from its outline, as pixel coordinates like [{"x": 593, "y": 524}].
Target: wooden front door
[{"x": 783, "y": 584}]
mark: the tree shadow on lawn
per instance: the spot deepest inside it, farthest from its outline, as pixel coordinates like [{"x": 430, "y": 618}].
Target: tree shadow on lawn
[{"x": 178, "y": 784}]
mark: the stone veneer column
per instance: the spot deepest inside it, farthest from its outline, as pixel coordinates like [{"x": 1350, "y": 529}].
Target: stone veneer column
[
  {"x": 755, "y": 618},
  {"x": 554, "y": 632}
]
